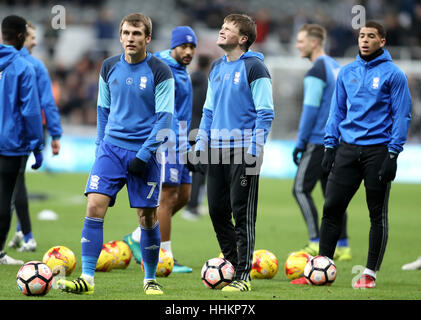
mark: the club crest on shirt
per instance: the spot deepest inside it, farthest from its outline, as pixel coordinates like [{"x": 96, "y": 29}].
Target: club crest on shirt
[
  {"x": 143, "y": 81},
  {"x": 93, "y": 183},
  {"x": 129, "y": 81},
  {"x": 375, "y": 84},
  {"x": 236, "y": 78}
]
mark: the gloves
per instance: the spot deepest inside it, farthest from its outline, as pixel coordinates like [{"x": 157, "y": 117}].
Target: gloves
[
  {"x": 297, "y": 152},
  {"x": 328, "y": 159},
  {"x": 38, "y": 160},
  {"x": 252, "y": 164},
  {"x": 137, "y": 167},
  {"x": 387, "y": 172},
  {"x": 199, "y": 166},
  {"x": 188, "y": 156}
]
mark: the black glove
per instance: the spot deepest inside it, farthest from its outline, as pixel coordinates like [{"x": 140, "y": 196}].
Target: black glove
[
  {"x": 252, "y": 164},
  {"x": 296, "y": 155},
  {"x": 137, "y": 167},
  {"x": 199, "y": 166},
  {"x": 188, "y": 157},
  {"x": 328, "y": 159},
  {"x": 387, "y": 172}
]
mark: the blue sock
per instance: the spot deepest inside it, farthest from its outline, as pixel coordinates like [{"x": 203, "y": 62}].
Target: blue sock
[
  {"x": 27, "y": 236},
  {"x": 18, "y": 228},
  {"x": 317, "y": 239},
  {"x": 342, "y": 242},
  {"x": 91, "y": 243},
  {"x": 150, "y": 243}
]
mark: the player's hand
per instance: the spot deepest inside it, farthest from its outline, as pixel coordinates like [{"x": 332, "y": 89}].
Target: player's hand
[
  {"x": 388, "y": 169},
  {"x": 199, "y": 166},
  {"x": 137, "y": 167},
  {"x": 297, "y": 154},
  {"x": 328, "y": 159},
  {"x": 55, "y": 146},
  {"x": 38, "y": 160},
  {"x": 188, "y": 157}
]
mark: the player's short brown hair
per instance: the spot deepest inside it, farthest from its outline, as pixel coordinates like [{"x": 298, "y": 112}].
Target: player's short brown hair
[
  {"x": 135, "y": 19},
  {"x": 379, "y": 27},
  {"x": 315, "y": 31},
  {"x": 246, "y": 26}
]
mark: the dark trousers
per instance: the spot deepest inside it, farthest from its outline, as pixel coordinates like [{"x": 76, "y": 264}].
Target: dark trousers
[
  {"x": 309, "y": 172},
  {"x": 10, "y": 168},
  {"x": 352, "y": 165},
  {"x": 197, "y": 186},
  {"x": 233, "y": 194},
  {"x": 20, "y": 204}
]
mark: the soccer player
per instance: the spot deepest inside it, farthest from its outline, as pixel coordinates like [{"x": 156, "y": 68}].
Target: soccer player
[
  {"x": 20, "y": 120},
  {"x": 237, "y": 117},
  {"x": 319, "y": 84},
  {"x": 176, "y": 185},
  {"x": 135, "y": 103},
  {"x": 23, "y": 238},
  {"x": 365, "y": 132}
]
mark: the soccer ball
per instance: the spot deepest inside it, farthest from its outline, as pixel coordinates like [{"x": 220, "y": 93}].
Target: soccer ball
[
  {"x": 265, "y": 265},
  {"x": 320, "y": 270},
  {"x": 34, "y": 278},
  {"x": 107, "y": 258},
  {"x": 165, "y": 264},
  {"x": 217, "y": 273},
  {"x": 295, "y": 264},
  {"x": 125, "y": 254},
  {"x": 60, "y": 259}
]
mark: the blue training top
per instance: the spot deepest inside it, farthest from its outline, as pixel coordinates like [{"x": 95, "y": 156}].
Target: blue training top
[
  {"x": 135, "y": 104},
  {"x": 238, "y": 110},
  {"x": 183, "y": 102},
  {"x": 46, "y": 99},
  {"x": 319, "y": 84},
  {"x": 20, "y": 111},
  {"x": 371, "y": 105}
]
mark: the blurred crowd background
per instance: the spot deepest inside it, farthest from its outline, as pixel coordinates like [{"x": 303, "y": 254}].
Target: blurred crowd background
[{"x": 74, "y": 55}]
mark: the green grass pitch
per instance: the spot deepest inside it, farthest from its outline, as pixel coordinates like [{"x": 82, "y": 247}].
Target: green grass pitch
[{"x": 280, "y": 229}]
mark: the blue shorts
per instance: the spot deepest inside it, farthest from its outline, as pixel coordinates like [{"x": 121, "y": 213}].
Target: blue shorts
[
  {"x": 176, "y": 174},
  {"x": 110, "y": 173}
]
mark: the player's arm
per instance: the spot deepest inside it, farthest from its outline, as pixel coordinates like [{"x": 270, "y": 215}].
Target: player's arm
[
  {"x": 337, "y": 113},
  {"x": 400, "y": 111},
  {"x": 313, "y": 93},
  {"x": 31, "y": 110},
  {"x": 164, "y": 109},
  {"x": 103, "y": 108},
  {"x": 261, "y": 91},
  {"x": 48, "y": 104},
  {"x": 202, "y": 138}
]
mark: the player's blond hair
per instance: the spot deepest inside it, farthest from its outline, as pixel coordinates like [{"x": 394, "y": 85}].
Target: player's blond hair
[{"x": 315, "y": 31}]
